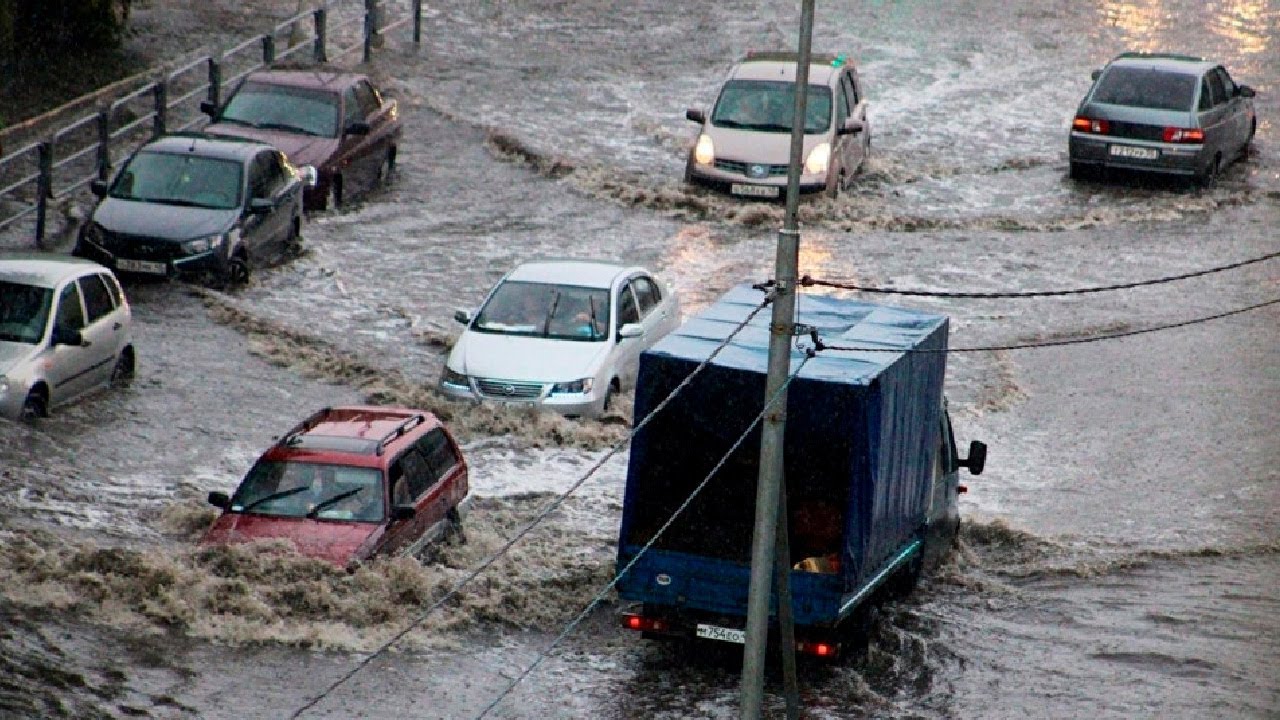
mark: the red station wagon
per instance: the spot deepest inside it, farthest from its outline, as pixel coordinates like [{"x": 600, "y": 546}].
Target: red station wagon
[{"x": 351, "y": 483}]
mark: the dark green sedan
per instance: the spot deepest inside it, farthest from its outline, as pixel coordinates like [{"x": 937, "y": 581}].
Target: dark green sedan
[{"x": 1162, "y": 113}]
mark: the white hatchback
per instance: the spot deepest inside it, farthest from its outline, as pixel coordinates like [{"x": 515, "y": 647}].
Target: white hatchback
[
  {"x": 564, "y": 334},
  {"x": 65, "y": 329}
]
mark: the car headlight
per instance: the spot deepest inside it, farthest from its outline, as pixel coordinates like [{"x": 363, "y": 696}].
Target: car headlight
[
  {"x": 204, "y": 244},
  {"x": 450, "y": 377},
  {"x": 577, "y": 387},
  {"x": 818, "y": 159},
  {"x": 705, "y": 152}
]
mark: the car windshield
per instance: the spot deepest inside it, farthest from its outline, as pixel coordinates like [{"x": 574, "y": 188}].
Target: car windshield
[
  {"x": 279, "y": 107},
  {"x": 1146, "y": 88},
  {"x": 325, "y": 492},
  {"x": 24, "y": 312},
  {"x": 563, "y": 312},
  {"x": 173, "y": 179},
  {"x": 768, "y": 106}
]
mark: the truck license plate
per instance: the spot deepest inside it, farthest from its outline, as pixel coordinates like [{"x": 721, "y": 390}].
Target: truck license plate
[
  {"x": 1133, "y": 151},
  {"x": 767, "y": 191},
  {"x": 723, "y": 634}
]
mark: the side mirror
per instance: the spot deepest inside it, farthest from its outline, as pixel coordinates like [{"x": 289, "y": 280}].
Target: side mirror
[
  {"x": 462, "y": 316},
  {"x": 1095, "y": 74},
  {"x": 977, "y": 458},
  {"x": 695, "y": 114},
  {"x": 851, "y": 126},
  {"x": 310, "y": 176},
  {"x": 630, "y": 330},
  {"x": 208, "y": 108},
  {"x": 402, "y": 512},
  {"x": 219, "y": 499},
  {"x": 261, "y": 206},
  {"x": 358, "y": 127},
  {"x": 62, "y": 335},
  {"x": 98, "y": 188},
  {"x": 1245, "y": 91}
]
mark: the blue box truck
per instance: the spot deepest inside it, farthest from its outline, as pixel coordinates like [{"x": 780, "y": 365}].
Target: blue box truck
[{"x": 870, "y": 465}]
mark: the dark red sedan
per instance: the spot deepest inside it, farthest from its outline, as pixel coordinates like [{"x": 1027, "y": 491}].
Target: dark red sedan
[
  {"x": 338, "y": 123},
  {"x": 351, "y": 483}
]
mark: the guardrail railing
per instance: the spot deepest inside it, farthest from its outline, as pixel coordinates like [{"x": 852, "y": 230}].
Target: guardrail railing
[{"x": 86, "y": 148}]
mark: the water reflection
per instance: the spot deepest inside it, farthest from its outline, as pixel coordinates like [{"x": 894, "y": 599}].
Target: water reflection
[
  {"x": 1245, "y": 24},
  {"x": 1141, "y": 21},
  {"x": 1244, "y": 27}
]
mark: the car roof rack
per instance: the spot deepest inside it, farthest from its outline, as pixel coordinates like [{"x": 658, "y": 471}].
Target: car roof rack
[
  {"x": 792, "y": 56},
  {"x": 1160, "y": 56},
  {"x": 399, "y": 430},
  {"x": 292, "y": 437}
]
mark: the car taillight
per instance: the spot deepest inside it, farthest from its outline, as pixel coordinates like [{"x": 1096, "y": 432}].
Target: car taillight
[
  {"x": 818, "y": 649},
  {"x": 640, "y": 622},
  {"x": 1183, "y": 135},
  {"x": 1090, "y": 125}
]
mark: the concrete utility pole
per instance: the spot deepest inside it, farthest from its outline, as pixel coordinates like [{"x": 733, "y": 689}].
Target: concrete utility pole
[{"x": 770, "y": 485}]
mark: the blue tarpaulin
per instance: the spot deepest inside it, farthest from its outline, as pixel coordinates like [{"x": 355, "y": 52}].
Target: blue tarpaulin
[{"x": 862, "y": 435}]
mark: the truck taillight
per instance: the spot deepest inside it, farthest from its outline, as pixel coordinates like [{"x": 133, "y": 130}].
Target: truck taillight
[
  {"x": 818, "y": 649},
  {"x": 1091, "y": 125},
  {"x": 642, "y": 623},
  {"x": 1183, "y": 135}
]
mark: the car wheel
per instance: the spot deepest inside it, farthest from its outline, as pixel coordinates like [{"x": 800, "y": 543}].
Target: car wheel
[
  {"x": 1077, "y": 171},
  {"x": 608, "y": 397},
  {"x": 455, "y": 535},
  {"x": 293, "y": 243},
  {"x": 1209, "y": 177},
  {"x": 36, "y": 406},
  {"x": 1253, "y": 129},
  {"x": 333, "y": 200},
  {"x": 125, "y": 367},
  {"x": 236, "y": 273},
  {"x": 387, "y": 167}
]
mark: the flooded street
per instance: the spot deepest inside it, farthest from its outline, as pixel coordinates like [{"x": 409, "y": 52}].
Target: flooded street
[{"x": 1119, "y": 558}]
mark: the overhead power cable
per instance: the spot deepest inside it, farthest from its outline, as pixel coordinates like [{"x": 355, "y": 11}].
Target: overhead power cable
[
  {"x": 820, "y": 345},
  {"x": 550, "y": 508},
  {"x": 573, "y": 624},
  {"x": 809, "y": 281}
]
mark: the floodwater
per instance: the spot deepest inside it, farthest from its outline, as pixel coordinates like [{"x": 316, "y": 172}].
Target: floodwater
[{"x": 1119, "y": 557}]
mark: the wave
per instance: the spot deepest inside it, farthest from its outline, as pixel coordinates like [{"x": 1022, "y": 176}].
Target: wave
[
  {"x": 264, "y": 592},
  {"x": 526, "y": 426}
]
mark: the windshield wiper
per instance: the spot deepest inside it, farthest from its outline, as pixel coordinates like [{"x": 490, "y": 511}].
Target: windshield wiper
[
  {"x": 236, "y": 121},
  {"x": 273, "y": 496},
  {"x": 286, "y": 127},
  {"x": 546, "y": 325},
  {"x": 591, "y": 303},
  {"x": 327, "y": 502}
]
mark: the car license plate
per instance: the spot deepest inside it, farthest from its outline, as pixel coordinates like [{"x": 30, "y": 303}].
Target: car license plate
[
  {"x": 142, "y": 266},
  {"x": 723, "y": 634},
  {"x": 768, "y": 191},
  {"x": 1133, "y": 151}
]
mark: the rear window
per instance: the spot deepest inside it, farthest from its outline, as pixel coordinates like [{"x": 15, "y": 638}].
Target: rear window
[{"x": 1146, "y": 88}]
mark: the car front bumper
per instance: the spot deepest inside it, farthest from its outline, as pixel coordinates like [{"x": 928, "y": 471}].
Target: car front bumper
[
  {"x": 205, "y": 263},
  {"x": 724, "y": 181},
  {"x": 571, "y": 404},
  {"x": 11, "y": 400},
  {"x": 1170, "y": 158}
]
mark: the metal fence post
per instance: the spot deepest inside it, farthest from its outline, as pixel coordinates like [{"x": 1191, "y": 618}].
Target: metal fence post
[
  {"x": 104, "y": 145},
  {"x": 215, "y": 82},
  {"x": 268, "y": 49},
  {"x": 44, "y": 188},
  {"x": 321, "y": 17},
  {"x": 370, "y": 28},
  {"x": 162, "y": 102},
  {"x": 417, "y": 22}
]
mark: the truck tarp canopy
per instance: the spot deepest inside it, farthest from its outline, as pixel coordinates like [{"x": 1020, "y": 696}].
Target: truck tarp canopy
[{"x": 862, "y": 435}]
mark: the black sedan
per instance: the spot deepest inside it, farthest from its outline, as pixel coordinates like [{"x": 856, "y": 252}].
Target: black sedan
[{"x": 197, "y": 205}]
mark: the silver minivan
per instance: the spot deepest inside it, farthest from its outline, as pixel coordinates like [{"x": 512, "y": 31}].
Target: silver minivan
[{"x": 65, "y": 329}]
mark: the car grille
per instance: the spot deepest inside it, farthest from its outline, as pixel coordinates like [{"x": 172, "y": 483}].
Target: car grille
[
  {"x": 740, "y": 168},
  {"x": 1137, "y": 131},
  {"x": 140, "y": 247},
  {"x": 509, "y": 389}
]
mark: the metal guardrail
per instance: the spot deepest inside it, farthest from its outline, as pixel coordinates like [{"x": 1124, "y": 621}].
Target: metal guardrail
[{"x": 88, "y": 147}]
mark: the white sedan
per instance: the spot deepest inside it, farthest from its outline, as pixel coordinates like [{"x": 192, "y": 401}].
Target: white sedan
[{"x": 564, "y": 334}]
